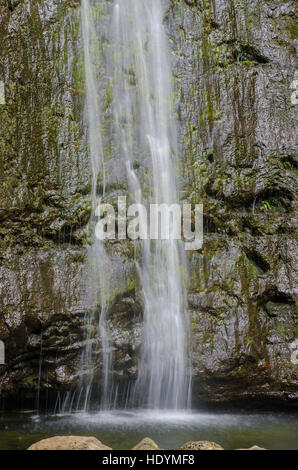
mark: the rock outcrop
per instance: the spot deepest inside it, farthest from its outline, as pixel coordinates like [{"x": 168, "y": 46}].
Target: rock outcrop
[
  {"x": 146, "y": 444},
  {"x": 236, "y": 67},
  {"x": 201, "y": 445},
  {"x": 69, "y": 443}
]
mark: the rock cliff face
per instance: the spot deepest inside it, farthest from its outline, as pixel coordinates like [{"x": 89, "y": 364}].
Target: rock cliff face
[{"x": 234, "y": 66}]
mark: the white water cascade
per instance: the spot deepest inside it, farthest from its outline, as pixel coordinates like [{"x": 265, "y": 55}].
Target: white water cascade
[
  {"x": 145, "y": 138},
  {"x": 98, "y": 258}
]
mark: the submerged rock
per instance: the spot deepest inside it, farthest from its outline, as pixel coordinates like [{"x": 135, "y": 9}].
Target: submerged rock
[
  {"x": 146, "y": 444},
  {"x": 69, "y": 443},
  {"x": 254, "y": 448},
  {"x": 201, "y": 445}
]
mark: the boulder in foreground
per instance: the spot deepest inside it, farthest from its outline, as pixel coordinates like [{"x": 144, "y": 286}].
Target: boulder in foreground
[
  {"x": 69, "y": 443},
  {"x": 146, "y": 444},
  {"x": 201, "y": 445}
]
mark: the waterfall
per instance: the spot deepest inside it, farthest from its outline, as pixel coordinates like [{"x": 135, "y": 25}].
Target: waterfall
[
  {"x": 144, "y": 133},
  {"x": 147, "y": 137},
  {"x": 98, "y": 259}
]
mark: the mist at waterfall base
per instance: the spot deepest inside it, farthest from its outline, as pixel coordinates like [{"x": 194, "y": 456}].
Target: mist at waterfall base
[{"x": 123, "y": 430}]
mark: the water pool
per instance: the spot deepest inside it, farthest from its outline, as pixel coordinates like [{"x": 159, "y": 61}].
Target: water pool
[{"x": 122, "y": 430}]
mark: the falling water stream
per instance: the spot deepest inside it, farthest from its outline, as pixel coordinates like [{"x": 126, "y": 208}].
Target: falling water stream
[
  {"x": 145, "y": 127},
  {"x": 98, "y": 258},
  {"x": 145, "y": 136}
]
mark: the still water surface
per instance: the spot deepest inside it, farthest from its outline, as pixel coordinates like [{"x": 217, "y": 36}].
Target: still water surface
[{"x": 122, "y": 430}]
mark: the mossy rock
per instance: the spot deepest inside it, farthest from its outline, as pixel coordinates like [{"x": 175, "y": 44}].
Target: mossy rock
[
  {"x": 201, "y": 445},
  {"x": 146, "y": 444},
  {"x": 69, "y": 443}
]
